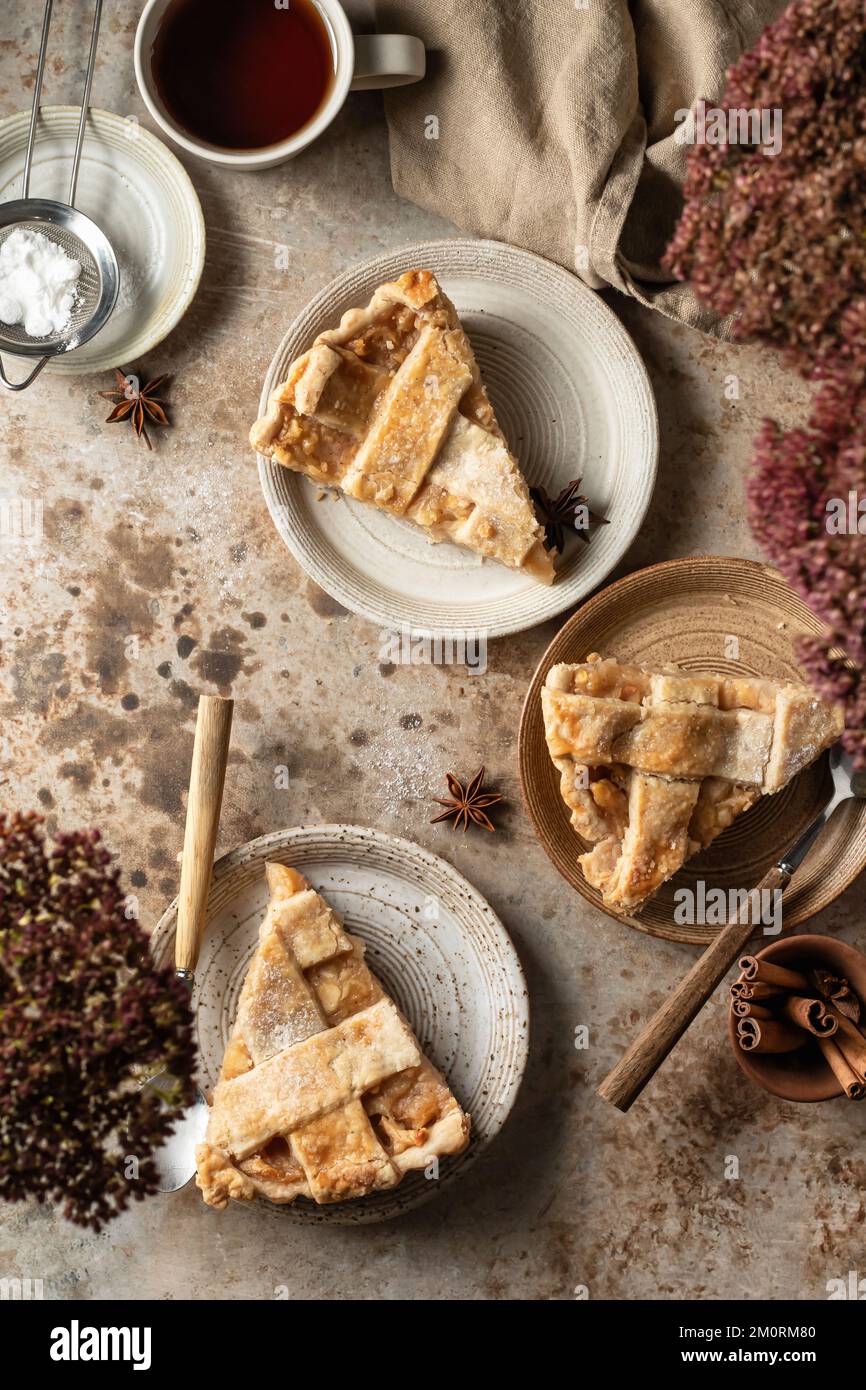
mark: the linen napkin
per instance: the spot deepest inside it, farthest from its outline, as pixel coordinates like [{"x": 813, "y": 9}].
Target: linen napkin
[{"x": 550, "y": 124}]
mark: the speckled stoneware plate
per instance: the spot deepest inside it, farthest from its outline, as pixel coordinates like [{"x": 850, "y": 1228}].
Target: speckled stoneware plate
[
  {"x": 707, "y": 613},
  {"x": 574, "y": 400},
  {"x": 141, "y": 196},
  {"x": 436, "y": 945}
]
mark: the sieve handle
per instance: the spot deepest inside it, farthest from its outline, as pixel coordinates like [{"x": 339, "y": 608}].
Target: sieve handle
[
  {"x": 20, "y": 385},
  {"x": 37, "y": 94},
  {"x": 85, "y": 102}
]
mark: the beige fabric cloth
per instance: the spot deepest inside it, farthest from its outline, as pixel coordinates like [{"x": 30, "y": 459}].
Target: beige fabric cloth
[{"x": 555, "y": 124}]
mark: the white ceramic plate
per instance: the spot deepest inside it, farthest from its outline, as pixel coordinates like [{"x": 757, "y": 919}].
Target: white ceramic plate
[
  {"x": 573, "y": 398},
  {"x": 436, "y": 945},
  {"x": 135, "y": 189}
]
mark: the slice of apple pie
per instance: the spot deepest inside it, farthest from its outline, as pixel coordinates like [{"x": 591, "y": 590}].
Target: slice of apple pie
[
  {"x": 324, "y": 1092},
  {"x": 390, "y": 408},
  {"x": 654, "y": 765}
]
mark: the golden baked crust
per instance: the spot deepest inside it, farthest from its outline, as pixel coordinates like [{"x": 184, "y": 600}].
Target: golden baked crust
[
  {"x": 390, "y": 408},
  {"x": 324, "y": 1092},
  {"x": 654, "y": 765}
]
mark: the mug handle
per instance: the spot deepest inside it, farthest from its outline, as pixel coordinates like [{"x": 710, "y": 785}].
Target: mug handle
[{"x": 387, "y": 60}]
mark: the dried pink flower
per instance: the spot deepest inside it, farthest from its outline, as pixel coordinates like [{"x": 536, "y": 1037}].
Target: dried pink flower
[
  {"x": 778, "y": 241},
  {"x": 803, "y": 497}
]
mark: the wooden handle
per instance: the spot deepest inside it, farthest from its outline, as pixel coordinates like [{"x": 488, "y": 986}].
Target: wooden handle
[
  {"x": 207, "y": 775},
  {"x": 624, "y": 1084}
]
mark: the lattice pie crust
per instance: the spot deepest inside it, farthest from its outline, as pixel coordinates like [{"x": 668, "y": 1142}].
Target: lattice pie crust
[
  {"x": 654, "y": 765},
  {"x": 390, "y": 407},
  {"x": 324, "y": 1092}
]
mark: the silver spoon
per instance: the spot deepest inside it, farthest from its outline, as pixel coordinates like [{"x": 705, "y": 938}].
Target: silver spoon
[
  {"x": 639, "y": 1064},
  {"x": 175, "y": 1159}
]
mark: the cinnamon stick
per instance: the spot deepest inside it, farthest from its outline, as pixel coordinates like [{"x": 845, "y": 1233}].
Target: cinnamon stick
[
  {"x": 850, "y": 1041},
  {"x": 768, "y": 1035},
  {"x": 743, "y": 989},
  {"x": 755, "y": 968},
  {"x": 746, "y": 1008},
  {"x": 810, "y": 1014},
  {"x": 852, "y": 1084}
]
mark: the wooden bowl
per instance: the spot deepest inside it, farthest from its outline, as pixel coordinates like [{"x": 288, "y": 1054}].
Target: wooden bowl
[
  {"x": 705, "y": 613},
  {"x": 802, "y": 1075}
]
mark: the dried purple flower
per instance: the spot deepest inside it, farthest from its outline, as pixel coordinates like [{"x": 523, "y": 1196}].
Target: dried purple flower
[
  {"x": 778, "y": 241},
  {"x": 803, "y": 497},
  {"x": 81, "y": 1005}
]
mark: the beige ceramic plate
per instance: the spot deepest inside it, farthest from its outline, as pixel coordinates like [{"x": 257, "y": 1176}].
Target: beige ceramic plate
[
  {"x": 141, "y": 196},
  {"x": 692, "y": 613},
  {"x": 574, "y": 400},
  {"x": 436, "y": 945}
]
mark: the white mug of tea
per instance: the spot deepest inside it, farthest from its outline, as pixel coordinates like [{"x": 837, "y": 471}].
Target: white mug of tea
[{"x": 249, "y": 85}]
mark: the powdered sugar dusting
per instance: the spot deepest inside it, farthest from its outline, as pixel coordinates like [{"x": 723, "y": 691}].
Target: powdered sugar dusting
[{"x": 407, "y": 770}]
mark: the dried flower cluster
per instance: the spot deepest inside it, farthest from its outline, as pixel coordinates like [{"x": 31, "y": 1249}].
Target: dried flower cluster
[
  {"x": 81, "y": 1004},
  {"x": 799, "y": 477},
  {"x": 779, "y": 243}
]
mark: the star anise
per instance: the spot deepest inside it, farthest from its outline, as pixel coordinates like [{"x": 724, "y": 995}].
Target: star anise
[
  {"x": 467, "y": 803},
  {"x": 136, "y": 403},
  {"x": 558, "y": 513}
]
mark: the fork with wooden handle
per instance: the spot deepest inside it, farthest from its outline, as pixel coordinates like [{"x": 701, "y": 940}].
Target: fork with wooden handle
[{"x": 624, "y": 1084}]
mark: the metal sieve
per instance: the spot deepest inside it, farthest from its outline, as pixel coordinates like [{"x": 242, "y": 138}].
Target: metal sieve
[{"x": 68, "y": 228}]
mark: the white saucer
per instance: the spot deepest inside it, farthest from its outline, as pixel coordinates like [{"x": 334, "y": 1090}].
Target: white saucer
[
  {"x": 574, "y": 400},
  {"x": 135, "y": 189}
]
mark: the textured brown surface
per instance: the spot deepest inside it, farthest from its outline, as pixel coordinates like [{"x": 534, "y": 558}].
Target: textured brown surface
[
  {"x": 684, "y": 612},
  {"x": 177, "y": 548}
]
